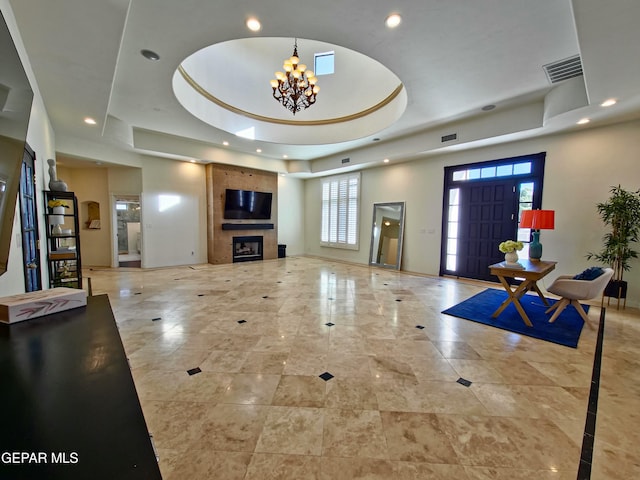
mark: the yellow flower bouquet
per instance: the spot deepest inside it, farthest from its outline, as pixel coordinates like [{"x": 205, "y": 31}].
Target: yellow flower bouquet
[
  {"x": 509, "y": 246},
  {"x": 57, "y": 203}
]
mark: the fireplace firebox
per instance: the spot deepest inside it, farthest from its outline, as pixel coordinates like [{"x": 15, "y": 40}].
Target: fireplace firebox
[{"x": 247, "y": 249}]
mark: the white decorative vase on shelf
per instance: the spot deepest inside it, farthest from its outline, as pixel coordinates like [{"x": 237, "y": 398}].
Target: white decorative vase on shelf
[
  {"x": 58, "y": 210},
  {"x": 511, "y": 257}
]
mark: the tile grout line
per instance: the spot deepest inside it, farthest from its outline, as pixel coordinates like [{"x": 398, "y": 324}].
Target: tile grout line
[{"x": 588, "y": 438}]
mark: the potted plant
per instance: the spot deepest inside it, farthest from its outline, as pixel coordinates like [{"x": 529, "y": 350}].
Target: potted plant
[{"x": 621, "y": 213}]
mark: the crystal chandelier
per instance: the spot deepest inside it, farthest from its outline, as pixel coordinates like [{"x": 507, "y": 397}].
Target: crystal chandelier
[{"x": 295, "y": 88}]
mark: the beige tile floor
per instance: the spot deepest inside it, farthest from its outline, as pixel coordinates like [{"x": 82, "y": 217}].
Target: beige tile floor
[{"x": 259, "y": 410}]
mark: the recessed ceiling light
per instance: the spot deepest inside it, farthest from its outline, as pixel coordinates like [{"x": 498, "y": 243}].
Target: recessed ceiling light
[
  {"x": 89, "y": 121},
  {"x": 258, "y": 150},
  {"x": 285, "y": 156},
  {"x": 150, "y": 55},
  {"x": 225, "y": 143},
  {"x": 488, "y": 108},
  {"x": 253, "y": 24},
  {"x": 376, "y": 139},
  {"x": 582, "y": 121},
  {"x": 393, "y": 20},
  {"x": 386, "y": 160},
  {"x": 609, "y": 102},
  {"x": 192, "y": 161}
]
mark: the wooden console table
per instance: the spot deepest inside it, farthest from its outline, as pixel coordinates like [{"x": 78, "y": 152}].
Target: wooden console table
[
  {"x": 69, "y": 405},
  {"x": 530, "y": 273}
]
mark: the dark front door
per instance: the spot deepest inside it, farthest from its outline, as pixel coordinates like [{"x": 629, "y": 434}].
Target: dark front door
[
  {"x": 29, "y": 221},
  {"x": 481, "y": 208},
  {"x": 487, "y": 217}
]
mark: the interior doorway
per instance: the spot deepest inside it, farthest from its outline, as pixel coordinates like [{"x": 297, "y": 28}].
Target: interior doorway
[{"x": 128, "y": 233}]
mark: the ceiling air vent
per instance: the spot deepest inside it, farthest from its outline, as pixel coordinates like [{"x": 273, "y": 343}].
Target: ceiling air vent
[
  {"x": 448, "y": 138},
  {"x": 346, "y": 160},
  {"x": 564, "y": 69}
]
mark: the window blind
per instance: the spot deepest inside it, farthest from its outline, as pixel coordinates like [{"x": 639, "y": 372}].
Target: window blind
[{"x": 340, "y": 200}]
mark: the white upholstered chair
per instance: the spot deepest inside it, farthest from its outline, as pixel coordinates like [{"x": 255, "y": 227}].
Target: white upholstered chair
[{"x": 572, "y": 290}]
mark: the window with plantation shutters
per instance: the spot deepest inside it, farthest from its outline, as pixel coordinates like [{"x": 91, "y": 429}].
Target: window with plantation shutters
[{"x": 340, "y": 200}]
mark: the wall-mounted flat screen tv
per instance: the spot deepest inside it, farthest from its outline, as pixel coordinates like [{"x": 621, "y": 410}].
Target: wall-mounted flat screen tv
[{"x": 247, "y": 205}]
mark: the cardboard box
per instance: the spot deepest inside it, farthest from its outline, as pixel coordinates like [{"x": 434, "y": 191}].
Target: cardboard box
[{"x": 25, "y": 306}]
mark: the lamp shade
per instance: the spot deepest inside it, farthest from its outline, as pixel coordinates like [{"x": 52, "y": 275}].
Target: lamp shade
[{"x": 538, "y": 219}]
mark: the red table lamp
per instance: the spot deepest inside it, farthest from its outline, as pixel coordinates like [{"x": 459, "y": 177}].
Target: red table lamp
[{"x": 537, "y": 220}]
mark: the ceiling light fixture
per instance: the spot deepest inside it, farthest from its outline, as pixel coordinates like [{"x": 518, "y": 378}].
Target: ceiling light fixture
[
  {"x": 296, "y": 88},
  {"x": 253, "y": 24},
  {"x": 582, "y": 121},
  {"x": 393, "y": 20},
  {"x": 259, "y": 150},
  {"x": 150, "y": 55},
  {"x": 386, "y": 160},
  {"x": 89, "y": 121},
  {"x": 225, "y": 143},
  {"x": 609, "y": 102}
]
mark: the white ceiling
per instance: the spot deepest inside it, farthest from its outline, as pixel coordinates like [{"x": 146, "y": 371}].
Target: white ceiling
[
  {"x": 452, "y": 56},
  {"x": 243, "y": 101}
]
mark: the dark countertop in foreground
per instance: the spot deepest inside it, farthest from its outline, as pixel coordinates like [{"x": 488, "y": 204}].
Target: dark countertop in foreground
[{"x": 69, "y": 405}]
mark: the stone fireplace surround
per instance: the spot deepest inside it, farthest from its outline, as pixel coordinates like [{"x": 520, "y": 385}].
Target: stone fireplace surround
[{"x": 220, "y": 238}]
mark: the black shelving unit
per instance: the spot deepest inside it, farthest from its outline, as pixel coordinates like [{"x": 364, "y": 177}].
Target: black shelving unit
[{"x": 63, "y": 242}]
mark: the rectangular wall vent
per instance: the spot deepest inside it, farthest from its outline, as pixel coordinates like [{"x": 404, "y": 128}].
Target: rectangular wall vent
[
  {"x": 563, "y": 69},
  {"x": 448, "y": 138},
  {"x": 346, "y": 160}
]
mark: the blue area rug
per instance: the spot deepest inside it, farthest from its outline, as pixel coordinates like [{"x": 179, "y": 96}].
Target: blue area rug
[{"x": 479, "y": 308}]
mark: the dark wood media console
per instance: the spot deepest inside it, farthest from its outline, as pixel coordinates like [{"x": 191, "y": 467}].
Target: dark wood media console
[{"x": 70, "y": 409}]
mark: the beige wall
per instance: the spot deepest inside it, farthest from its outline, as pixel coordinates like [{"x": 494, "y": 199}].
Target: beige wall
[
  {"x": 173, "y": 213},
  {"x": 291, "y": 214},
  {"x": 125, "y": 181},
  {"x": 580, "y": 168},
  {"x": 91, "y": 185}
]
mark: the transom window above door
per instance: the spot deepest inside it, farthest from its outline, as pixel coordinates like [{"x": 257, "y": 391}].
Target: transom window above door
[{"x": 506, "y": 170}]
